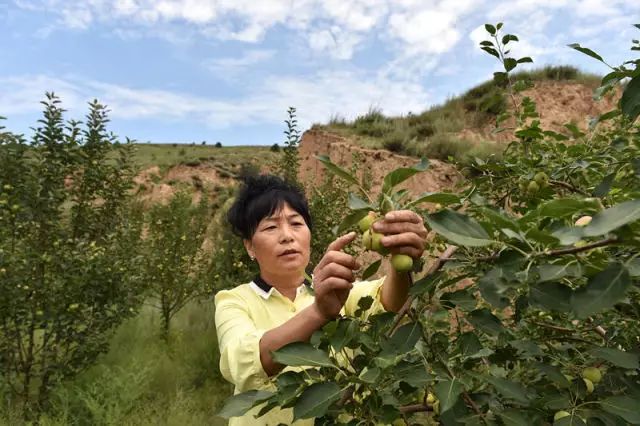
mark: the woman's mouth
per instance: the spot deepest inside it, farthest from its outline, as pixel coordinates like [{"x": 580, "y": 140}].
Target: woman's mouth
[{"x": 289, "y": 253}]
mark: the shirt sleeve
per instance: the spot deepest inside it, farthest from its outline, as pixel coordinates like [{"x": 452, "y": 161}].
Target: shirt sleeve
[
  {"x": 239, "y": 343},
  {"x": 362, "y": 289}
]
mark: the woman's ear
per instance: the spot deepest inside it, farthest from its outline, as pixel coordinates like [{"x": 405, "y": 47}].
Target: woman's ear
[{"x": 248, "y": 245}]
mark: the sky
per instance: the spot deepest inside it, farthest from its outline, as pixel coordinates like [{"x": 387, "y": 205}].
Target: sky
[{"x": 227, "y": 70}]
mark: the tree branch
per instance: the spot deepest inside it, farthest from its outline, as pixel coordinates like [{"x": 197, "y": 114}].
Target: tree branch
[
  {"x": 415, "y": 408},
  {"x": 573, "y": 250},
  {"x": 569, "y": 187}
]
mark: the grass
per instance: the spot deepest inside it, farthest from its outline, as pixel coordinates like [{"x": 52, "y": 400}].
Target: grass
[
  {"x": 145, "y": 381},
  {"x": 434, "y": 132},
  {"x": 166, "y": 155}
]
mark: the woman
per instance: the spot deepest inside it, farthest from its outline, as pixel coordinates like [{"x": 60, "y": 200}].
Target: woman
[{"x": 277, "y": 307}]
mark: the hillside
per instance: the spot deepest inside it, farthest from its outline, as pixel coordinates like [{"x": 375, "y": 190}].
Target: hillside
[
  {"x": 464, "y": 126},
  {"x": 460, "y": 128},
  {"x": 165, "y": 169}
]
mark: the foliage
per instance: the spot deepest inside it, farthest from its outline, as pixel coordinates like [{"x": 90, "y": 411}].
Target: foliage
[
  {"x": 142, "y": 380},
  {"x": 68, "y": 239},
  {"x": 289, "y": 164},
  {"x": 176, "y": 264},
  {"x": 528, "y": 310}
]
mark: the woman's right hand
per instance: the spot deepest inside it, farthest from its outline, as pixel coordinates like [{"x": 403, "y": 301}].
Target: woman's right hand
[{"x": 333, "y": 278}]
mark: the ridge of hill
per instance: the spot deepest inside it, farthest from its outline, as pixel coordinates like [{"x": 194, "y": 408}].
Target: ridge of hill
[{"x": 464, "y": 126}]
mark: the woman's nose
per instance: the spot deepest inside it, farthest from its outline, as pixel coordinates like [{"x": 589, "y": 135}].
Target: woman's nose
[{"x": 286, "y": 234}]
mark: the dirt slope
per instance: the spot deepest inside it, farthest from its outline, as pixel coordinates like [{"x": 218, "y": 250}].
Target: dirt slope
[
  {"x": 558, "y": 102},
  {"x": 438, "y": 177}
]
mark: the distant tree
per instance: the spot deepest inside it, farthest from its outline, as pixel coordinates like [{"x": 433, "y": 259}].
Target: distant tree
[
  {"x": 203, "y": 143},
  {"x": 275, "y": 148},
  {"x": 289, "y": 164},
  {"x": 218, "y": 145}
]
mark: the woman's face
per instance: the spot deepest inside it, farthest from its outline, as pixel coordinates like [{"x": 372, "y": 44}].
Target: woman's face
[{"x": 281, "y": 243}]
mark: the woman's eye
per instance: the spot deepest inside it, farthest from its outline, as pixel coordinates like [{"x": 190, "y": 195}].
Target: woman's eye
[{"x": 269, "y": 228}]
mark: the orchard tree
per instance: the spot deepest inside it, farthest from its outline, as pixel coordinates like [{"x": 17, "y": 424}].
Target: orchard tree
[
  {"x": 528, "y": 308},
  {"x": 175, "y": 262},
  {"x": 68, "y": 244}
]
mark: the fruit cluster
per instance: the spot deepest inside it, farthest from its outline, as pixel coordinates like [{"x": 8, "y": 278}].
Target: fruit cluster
[
  {"x": 540, "y": 180},
  {"x": 372, "y": 240},
  {"x": 590, "y": 376}
]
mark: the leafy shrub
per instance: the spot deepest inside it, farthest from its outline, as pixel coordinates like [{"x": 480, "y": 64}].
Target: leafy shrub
[{"x": 69, "y": 235}]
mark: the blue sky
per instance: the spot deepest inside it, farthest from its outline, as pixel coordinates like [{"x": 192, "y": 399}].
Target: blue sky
[{"x": 226, "y": 70}]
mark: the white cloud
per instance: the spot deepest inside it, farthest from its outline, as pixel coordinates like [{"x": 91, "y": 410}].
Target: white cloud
[
  {"x": 316, "y": 97},
  {"x": 229, "y": 66}
]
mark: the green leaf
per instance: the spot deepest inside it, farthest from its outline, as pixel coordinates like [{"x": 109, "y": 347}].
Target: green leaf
[
  {"x": 403, "y": 340},
  {"x": 337, "y": 170},
  {"x": 414, "y": 374},
  {"x": 551, "y": 296},
  {"x": 509, "y": 64},
  {"x": 468, "y": 344},
  {"x": 491, "y": 30},
  {"x": 443, "y": 198},
  {"x": 554, "y": 374},
  {"x": 623, "y": 406},
  {"x": 485, "y": 321},
  {"x": 301, "y": 354},
  {"x": 514, "y": 417},
  {"x": 494, "y": 284},
  {"x": 400, "y": 175},
  {"x": 315, "y": 400},
  {"x": 630, "y": 100},
  {"x": 491, "y": 51},
  {"x": 527, "y": 348},
  {"x": 617, "y": 357},
  {"x": 555, "y": 272},
  {"x": 613, "y": 218},
  {"x": 499, "y": 219},
  {"x": 239, "y": 404},
  {"x": 564, "y": 207},
  {"x": 371, "y": 269},
  {"x": 604, "y": 187},
  {"x": 525, "y": 59},
  {"x": 458, "y": 228},
  {"x": 370, "y": 375},
  {"x": 634, "y": 267},
  {"x": 351, "y": 220},
  {"x": 425, "y": 284},
  {"x": 357, "y": 203},
  {"x": 571, "y": 420},
  {"x": 448, "y": 392},
  {"x": 461, "y": 298},
  {"x": 345, "y": 332},
  {"x": 602, "y": 291},
  {"x": 509, "y": 389},
  {"x": 509, "y": 37},
  {"x": 586, "y": 51}
]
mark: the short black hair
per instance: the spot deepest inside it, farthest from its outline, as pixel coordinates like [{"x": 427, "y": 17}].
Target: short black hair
[{"x": 261, "y": 196}]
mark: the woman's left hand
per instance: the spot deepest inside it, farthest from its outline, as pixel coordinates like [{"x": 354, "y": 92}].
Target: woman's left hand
[{"x": 404, "y": 232}]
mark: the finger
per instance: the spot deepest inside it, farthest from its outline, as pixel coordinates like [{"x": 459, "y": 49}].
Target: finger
[
  {"x": 388, "y": 228},
  {"x": 339, "y": 257},
  {"x": 403, "y": 216},
  {"x": 334, "y": 270},
  {"x": 337, "y": 284},
  {"x": 399, "y": 240},
  {"x": 408, "y": 250},
  {"x": 341, "y": 242}
]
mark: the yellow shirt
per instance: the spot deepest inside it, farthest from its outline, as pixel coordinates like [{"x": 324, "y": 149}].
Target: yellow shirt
[{"x": 244, "y": 314}]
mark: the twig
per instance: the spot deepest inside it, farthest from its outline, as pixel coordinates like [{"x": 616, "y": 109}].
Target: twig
[
  {"x": 557, "y": 252},
  {"x": 569, "y": 187},
  {"x": 439, "y": 263},
  {"x": 593, "y": 245},
  {"x": 415, "y": 408}
]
